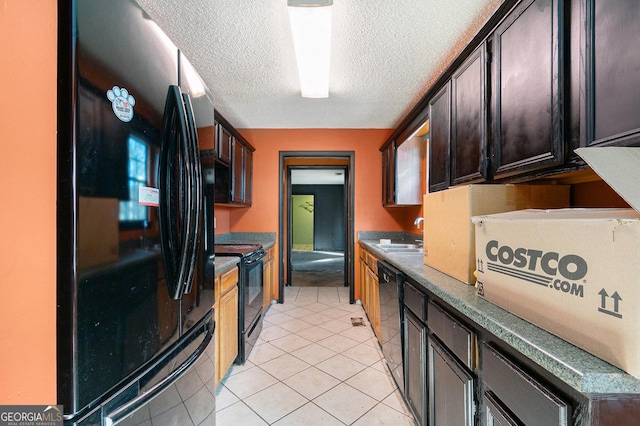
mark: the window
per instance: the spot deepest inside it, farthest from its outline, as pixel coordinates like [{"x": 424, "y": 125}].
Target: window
[{"x": 130, "y": 211}]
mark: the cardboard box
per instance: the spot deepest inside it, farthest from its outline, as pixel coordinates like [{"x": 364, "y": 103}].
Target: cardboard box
[
  {"x": 449, "y": 238},
  {"x": 572, "y": 272}
]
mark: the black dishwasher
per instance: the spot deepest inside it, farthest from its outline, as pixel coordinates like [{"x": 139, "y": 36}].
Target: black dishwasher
[{"x": 390, "y": 282}]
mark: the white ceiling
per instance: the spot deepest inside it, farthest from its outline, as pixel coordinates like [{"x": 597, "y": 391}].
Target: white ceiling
[{"x": 385, "y": 55}]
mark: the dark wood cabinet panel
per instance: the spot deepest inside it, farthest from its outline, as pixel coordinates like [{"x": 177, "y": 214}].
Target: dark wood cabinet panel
[
  {"x": 415, "y": 365},
  {"x": 529, "y": 400},
  {"x": 495, "y": 414},
  {"x": 526, "y": 89},
  {"x": 237, "y": 171},
  {"x": 248, "y": 176},
  {"x": 439, "y": 116},
  {"x": 389, "y": 174},
  {"x": 224, "y": 144},
  {"x": 613, "y": 72},
  {"x": 468, "y": 115},
  {"x": 451, "y": 389}
]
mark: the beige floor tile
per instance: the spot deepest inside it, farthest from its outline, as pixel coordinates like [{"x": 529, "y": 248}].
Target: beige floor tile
[
  {"x": 235, "y": 369},
  {"x": 363, "y": 353},
  {"x": 275, "y": 402},
  {"x": 303, "y": 300},
  {"x": 396, "y": 402},
  {"x": 311, "y": 382},
  {"x": 372, "y": 382},
  {"x": 341, "y": 367},
  {"x": 299, "y": 312},
  {"x": 281, "y": 308},
  {"x": 359, "y": 333},
  {"x": 273, "y": 332},
  {"x": 337, "y": 343},
  {"x": 285, "y": 366},
  {"x": 313, "y": 354},
  {"x": 309, "y": 415},
  {"x": 337, "y": 326},
  {"x": 265, "y": 352},
  {"x": 333, "y": 312},
  {"x": 249, "y": 382},
  {"x": 345, "y": 403},
  {"x": 224, "y": 398},
  {"x": 238, "y": 414},
  {"x": 309, "y": 350},
  {"x": 381, "y": 415},
  {"x": 277, "y": 318},
  {"x": 317, "y": 307},
  {"x": 317, "y": 318},
  {"x": 290, "y": 343},
  {"x": 296, "y": 325},
  {"x": 381, "y": 366},
  {"x": 315, "y": 333}
]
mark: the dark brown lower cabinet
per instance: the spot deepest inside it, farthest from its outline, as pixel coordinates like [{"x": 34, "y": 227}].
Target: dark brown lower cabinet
[
  {"x": 451, "y": 388},
  {"x": 495, "y": 414},
  {"x": 415, "y": 363},
  {"x": 512, "y": 390}
]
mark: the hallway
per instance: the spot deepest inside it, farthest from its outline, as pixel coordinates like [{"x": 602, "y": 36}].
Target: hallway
[
  {"x": 311, "y": 366},
  {"x": 317, "y": 268}
]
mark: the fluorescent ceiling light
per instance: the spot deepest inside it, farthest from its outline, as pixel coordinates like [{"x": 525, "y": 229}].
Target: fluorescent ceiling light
[{"x": 311, "y": 28}]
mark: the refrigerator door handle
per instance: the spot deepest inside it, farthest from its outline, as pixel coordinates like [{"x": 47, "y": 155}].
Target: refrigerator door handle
[
  {"x": 172, "y": 159},
  {"x": 196, "y": 193}
]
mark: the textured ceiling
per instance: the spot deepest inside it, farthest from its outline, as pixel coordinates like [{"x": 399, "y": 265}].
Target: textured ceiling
[{"x": 385, "y": 54}]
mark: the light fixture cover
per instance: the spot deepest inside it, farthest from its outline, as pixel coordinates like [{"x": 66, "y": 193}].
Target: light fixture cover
[
  {"x": 311, "y": 29},
  {"x": 311, "y": 3}
]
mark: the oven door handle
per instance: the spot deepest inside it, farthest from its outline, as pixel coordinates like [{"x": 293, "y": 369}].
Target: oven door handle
[{"x": 255, "y": 259}]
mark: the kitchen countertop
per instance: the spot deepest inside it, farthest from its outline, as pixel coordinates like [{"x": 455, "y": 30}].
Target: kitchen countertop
[
  {"x": 265, "y": 239},
  {"x": 225, "y": 263},
  {"x": 580, "y": 370}
]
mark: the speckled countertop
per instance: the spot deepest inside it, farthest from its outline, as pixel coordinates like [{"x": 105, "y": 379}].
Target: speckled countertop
[
  {"x": 266, "y": 239},
  {"x": 580, "y": 370},
  {"x": 225, "y": 263}
]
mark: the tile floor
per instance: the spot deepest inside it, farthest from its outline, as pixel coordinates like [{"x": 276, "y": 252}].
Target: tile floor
[{"x": 311, "y": 366}]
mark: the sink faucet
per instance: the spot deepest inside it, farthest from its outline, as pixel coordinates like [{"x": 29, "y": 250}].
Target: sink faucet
[{"x": 418, "y": 221}]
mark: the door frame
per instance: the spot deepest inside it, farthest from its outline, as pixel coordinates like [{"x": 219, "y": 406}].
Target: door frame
[{"x": 343, "y": 159}]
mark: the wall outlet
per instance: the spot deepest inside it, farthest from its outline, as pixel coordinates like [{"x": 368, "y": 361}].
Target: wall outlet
[{"x": 214, "y": 223}]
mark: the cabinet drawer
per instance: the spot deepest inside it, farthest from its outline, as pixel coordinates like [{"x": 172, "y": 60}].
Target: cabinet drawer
[
  {"x": 529, "y": 400},
  {"x": 416, "y": 301},
  {"x": 372, "y": 262},
  {"x": 458, "y": 338},
  {"x": 228, "y": 280}
]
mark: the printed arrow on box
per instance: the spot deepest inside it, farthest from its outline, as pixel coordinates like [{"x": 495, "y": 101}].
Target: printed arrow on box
[{"x": 616, "y": 303}]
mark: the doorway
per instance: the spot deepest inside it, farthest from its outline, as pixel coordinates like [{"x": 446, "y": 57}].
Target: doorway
[
  {"x": 315, "y": 220},
  {"x": 318, "y": 220}
]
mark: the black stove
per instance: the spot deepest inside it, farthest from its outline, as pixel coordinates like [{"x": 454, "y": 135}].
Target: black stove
[{"x": 246, "y": 251}]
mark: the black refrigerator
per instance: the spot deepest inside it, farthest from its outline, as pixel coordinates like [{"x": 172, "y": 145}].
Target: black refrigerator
[{"x": 135, "y": 240}]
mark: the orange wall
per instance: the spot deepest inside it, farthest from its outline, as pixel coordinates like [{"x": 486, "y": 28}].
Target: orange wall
[
  {"x": 28, "y": 192},
  {"x": 369, "y": 215}
]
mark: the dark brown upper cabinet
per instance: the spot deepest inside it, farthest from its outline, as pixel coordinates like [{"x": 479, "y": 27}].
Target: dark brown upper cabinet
[
  {"x": 233, "y": 166},
  {"x": 612, "y": 72},
  {"x": 225, "y": 140},
  {"x": 468, "y": 116},
  {"x": 440, "y": 130},
  {"x": 527, "y": 89},
  {"x": 389, "y": 174}
]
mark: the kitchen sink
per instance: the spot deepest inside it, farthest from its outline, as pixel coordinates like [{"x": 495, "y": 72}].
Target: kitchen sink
[{"x": 400, "y": 248}]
